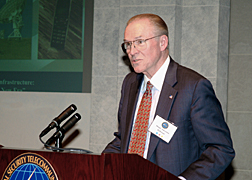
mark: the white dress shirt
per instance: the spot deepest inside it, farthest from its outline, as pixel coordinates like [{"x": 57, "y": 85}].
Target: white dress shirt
[{"x": 157, "y": 82}]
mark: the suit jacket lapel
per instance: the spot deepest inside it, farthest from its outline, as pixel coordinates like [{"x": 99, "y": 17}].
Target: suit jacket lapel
[
  {"x": 166, "y": 99},
  {"x": 133, "y": 94}
]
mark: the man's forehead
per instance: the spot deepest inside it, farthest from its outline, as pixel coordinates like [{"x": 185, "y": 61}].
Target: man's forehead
[
  {"x": 138, "y": 29},
  {"x": 139, "y": 23}
]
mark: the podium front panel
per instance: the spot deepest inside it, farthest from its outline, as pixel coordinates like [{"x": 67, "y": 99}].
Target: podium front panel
[{"x": 81, "y": 166}]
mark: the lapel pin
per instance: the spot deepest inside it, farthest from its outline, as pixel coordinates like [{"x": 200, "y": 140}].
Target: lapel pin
[{"x": 170, "y": 96}]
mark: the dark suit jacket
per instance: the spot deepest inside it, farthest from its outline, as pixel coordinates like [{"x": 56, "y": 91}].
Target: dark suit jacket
[{"x": 201, "y": 148}]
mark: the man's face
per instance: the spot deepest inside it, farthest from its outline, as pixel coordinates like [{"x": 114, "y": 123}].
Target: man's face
[{"x": 146, "y": 61}]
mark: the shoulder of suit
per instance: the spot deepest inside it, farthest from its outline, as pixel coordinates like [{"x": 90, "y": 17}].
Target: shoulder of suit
[
  {"x": 185, "y": 72},
  {"x": 132, "y": 76}
]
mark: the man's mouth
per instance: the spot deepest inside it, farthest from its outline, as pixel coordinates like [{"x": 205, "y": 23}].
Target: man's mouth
[{"x": 135, "y": 60}]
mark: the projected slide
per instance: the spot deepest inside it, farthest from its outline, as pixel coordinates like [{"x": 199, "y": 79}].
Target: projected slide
[{"x": 42, "y": 45}]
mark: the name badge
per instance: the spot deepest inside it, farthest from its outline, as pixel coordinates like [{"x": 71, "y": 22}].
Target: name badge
[{"x": 163, "y": 128}]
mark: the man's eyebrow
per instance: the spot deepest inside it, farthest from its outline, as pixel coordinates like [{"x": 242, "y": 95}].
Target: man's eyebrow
[{"x": 135, "y": 38}]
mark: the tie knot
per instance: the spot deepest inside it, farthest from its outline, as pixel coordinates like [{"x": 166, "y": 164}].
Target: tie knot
[{"x": 149, "y": 87}]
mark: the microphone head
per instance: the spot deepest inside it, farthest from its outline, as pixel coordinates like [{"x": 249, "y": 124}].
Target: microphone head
[
  {"x": 61, "y": 132},
  {"x": 71, "y": 122},
  {"x": 56, "y": 121},
  {"x": 66, "y": 113}
]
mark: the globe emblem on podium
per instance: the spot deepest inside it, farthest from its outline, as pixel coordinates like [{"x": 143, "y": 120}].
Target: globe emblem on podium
[
  {"x": 29, "y": 166},
  {"x": 29, "y": 172}
]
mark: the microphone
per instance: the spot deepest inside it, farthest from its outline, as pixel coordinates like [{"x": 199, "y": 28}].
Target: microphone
[
  {"x": 61, "y": 132},
  {"x": 56, "y": 121}
]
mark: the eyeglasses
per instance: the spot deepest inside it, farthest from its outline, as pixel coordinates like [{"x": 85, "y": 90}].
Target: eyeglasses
[{"x": 139, "y": 44}]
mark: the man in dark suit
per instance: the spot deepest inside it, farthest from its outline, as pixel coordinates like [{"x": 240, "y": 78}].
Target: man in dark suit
[{"x": 201, "y": 146}]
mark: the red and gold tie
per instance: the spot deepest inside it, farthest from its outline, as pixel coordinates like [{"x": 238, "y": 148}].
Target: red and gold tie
[{"x": 138, "y": 136}]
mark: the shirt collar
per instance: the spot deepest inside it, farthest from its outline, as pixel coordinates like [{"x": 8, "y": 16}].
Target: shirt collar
[{"x": 158, "y": 78}]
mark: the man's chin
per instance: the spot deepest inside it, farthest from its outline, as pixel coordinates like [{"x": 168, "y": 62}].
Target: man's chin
[{"x": 137, "y": 70}]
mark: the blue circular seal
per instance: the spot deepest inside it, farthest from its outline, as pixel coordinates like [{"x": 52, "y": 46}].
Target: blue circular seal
[
  {"x": 165, "y": 125},
  {"x": 29, "y": 166}
]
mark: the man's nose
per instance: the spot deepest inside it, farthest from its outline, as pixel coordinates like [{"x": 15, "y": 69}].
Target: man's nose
[{"x": 133, "y": 49}]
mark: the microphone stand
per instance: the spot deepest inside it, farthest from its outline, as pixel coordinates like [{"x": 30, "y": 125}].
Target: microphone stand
[{"x": 58, "y": 142}]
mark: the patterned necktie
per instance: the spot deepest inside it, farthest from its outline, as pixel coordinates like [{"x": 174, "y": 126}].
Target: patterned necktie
[{"x": 138, "y": 137}]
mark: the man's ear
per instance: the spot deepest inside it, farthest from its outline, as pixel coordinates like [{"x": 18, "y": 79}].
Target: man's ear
[{"x": 163, "y": 42}]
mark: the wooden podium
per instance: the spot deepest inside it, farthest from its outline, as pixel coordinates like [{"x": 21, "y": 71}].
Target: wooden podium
[{"x": 92, "y": 167}]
